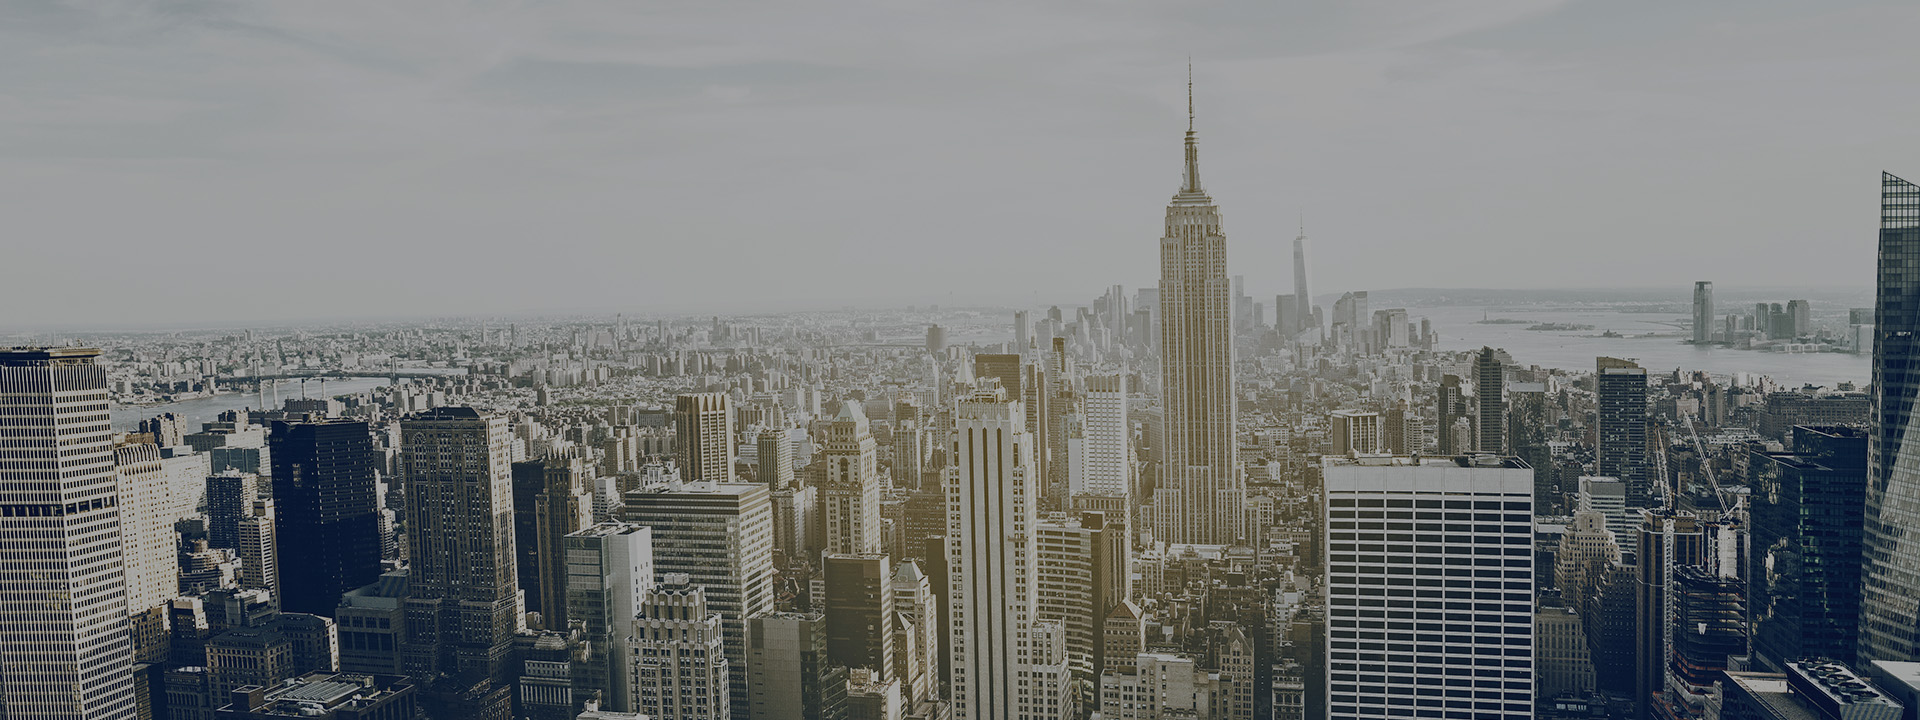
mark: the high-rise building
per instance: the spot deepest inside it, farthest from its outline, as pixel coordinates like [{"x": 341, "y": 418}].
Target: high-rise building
[
  {"x": 1803, "y": 576},
  {"x": 1356, "y": 431},
  {"x": 788, "y": 670},
  {"x": 1890, "y": 582},
  {"x": 1450, "y": 404},
  {"x": 1302, "y": 298},
  {"x": 1472, "y": 513},
  {"x": 609, "y": 569},
  {"x": 720, "y": 536},
  {"x": 917, "y": 640},
  {"x": 1103, "y": 463},
  {"x": 1800, "y": 314},
  {"x": 991, "y": 582},
  {"x": 63, "y": 606},
  {"x": 258, "y": 548},
  {"x": 230, "y": 497},
  {"x": 1621, "y": 427},
  {"x": 703, "y": 435},
  {"x": 563, "y": 507},
  {"x": 463, "y": 601},
  {"x": 850, "y": 486},
  {"x": 148, "y": 546},
  {"x": 1608, "y": 497},
  {"x": 1197, "y": 387},
  {"x": 1668, "y": 540},
  {"x": 327, "y": 511},
  {"x": 680, "y": 669},
  {"x": 909, "y": 444},
  {"x": 775, "y": 451},
  {"x": 1702, "y": 312},
  {"x": 859, "y": 609},
  {"x": 1489, "y": 402}
]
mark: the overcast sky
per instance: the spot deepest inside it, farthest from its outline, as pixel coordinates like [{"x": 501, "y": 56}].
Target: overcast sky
[{"x": 194, "y": 161}]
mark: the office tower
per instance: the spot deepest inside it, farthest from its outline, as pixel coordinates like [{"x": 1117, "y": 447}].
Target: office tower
[
  {"x": 703, "y": 434},
  {"x": 148, "y": 546},
  {"x": 609, "y": 568},
  {"x": 859, "y": 609},
  {"x": 327, "y": 511},
  {"x": 795, "y": 531},
  {"x": 371, "y": 620},
  {"x": 936, "y": 339},
  {"x": 917, "y": 640},
  {"x": 939, "y": 578},
  {"x": 721, "y": 536},
  {"x": 1608, "y": 497},
  {"x": 850, "y": 488},
  {"x": 1800, "y": 315},
  {"x": 1451, "y": 405},
  {"x": 1560, "y": 650},
  {"x": 463, "y": 601},
  {"x": 229, "y": 497},
  {"x": 1703, "y": 313},
  {"x": 1022, "y": 331},
  {"x": 1123, "y": 635},
  {"x": 775, "y": 450},
  {"x": 1890, "y": 586},
  {"x": 63, "y": 605},
  {"x": 1355, "y": 431},
  {"x": 1709, "y": 628},
  {"x": 680, "y": 669},
  {"x": 563, "y": 506},
  {"x": 1803, "y": 579},
  {"x": 1667, "y": 540},
  {"x": 1286, "y": 318},
  {"x": 1025, "y": 380},
  {"x": 1083, "y": 573},
  {"x": 1621, "y": 427},
  {"x": 1490, "y": 406},
  {"x": 1439, "y": 495},
  {"x": 1302, "y": 298},
  {"x": 1528, "y": 424},
  {"x": 1197, "y": 386},
  {"x": 788, "y": 670},
  {"x": 991, "y": 592},
  {"x": 1104, "y": 463},
  {"x": 909, "y": 443},
  {"x": 258, "y": 549}
]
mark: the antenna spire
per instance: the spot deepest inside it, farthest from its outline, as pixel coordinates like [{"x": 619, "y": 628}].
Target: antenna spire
[
  {"x": 1189, "y": 93},
  {"x": 1192, "y": 181}
]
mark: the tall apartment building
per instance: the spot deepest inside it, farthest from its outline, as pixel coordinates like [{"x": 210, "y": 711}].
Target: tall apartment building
[
  {"x": 1429, "y": 569},
  {"x": 1621, "y": 427},
  {"x": 679, "y": 669},
  {"x": 63, "y": 607},
  {"x": 463, "y": 601},
  {"x": 148, "y": 545},
  {"x": 721, "y": 537},
  {"x": 609, "y": 568},
  {"x": 703, "y": 437},
  {"x": 327, "y": 511},
  {"x": 850, "y": 487},
  {"x": 1703, "y": 313},
  {"x": 1103, "y": 462},
  {"x": 1890, "y": 583},
  {"x": 860, "y": 612}
]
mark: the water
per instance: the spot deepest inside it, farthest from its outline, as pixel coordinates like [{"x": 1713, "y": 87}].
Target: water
[
  {"x": 1575, "y": 349},
  {"x": 126, "y": 418}
]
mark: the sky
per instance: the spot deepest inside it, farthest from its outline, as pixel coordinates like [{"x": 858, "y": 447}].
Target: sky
[{"x": 187, "y": 161}]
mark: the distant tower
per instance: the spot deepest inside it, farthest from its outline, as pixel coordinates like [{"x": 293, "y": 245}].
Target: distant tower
[
  {"x": 1302, "y": 296},
  {"x": 1702, "y": 312},
  {"x": 1489, "y": 385},
  {"x": 63, "y": 613},
  {"x": 703, "y": 432},
  {"x": 1196, "y": 340}
]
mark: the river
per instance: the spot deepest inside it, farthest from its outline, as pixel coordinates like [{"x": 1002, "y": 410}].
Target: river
[
  {"x": 127, "y": 418},
  {"x": 1459, "y": 329}
]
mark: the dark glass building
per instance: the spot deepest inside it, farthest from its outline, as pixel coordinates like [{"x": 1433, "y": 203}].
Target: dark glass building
[
  {"x": 1803, "y": 577},
  {"x": 324, "y": 484},
  {"x": 1890, "y": 588},
  {"x": 1620, "y": 447}
]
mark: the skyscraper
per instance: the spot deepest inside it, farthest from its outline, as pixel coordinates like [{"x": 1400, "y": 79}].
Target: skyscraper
[
  {"x": 991, "y": 582},
  {"x": 1302, "y": 297},
  {"x": 1104, "y": 464},
  {"x": 1490, "y": 407},
  {"x": 1621, "y": 426},
  {"x": 1450, "y": 406},
  {"x": 788, "y": 670},
  {"x": 775, "y": 450},
  {"x": 1196, "y": 351},
  {"x": 859, "y": 610},
  {"x": 1803, "y": 574},
  {"x": 1427, "y": 596},
  {"x": 720, "y": 536},
  {"x": 63, "y": 612},
  {"x": 850, "y": 489},
  {"x": 703, "y": 434},
  {"x": 679, "y": 667},
  {"x": 463, "y": 601},
  {"x": 609, "y": 570},
  {"x": 1890, "y": 586},
  {"x": 563, "y": 507},
  {"x": 327, "y": 512},
  {"x": 1702, "y": 312}
]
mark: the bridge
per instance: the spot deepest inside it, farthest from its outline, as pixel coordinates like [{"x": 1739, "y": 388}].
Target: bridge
[{"x": 340, "y": 374}]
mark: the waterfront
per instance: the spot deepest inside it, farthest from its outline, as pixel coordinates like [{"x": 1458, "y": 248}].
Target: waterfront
[
  {"x": 1459, "y": 329},
  {"x": 126, "y": 418}
]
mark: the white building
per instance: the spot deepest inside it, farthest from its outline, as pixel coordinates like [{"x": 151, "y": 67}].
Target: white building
[
  {"x": 1102, "y": 458},
  {"x": 850, "y": 488},
  {"x": 1429, "y": 585},
  {"x": 1608, "y": 496},
  {"x": 609, "y": 568}
]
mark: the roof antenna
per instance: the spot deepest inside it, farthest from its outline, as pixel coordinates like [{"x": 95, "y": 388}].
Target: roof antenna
[{"x": 1189, "y": 93}]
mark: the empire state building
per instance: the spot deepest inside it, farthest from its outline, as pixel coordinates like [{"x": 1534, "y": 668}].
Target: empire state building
[{"x": 1201, "y": 496}]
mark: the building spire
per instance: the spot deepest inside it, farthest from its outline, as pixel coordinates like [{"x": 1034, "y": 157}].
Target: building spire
[{"x": 1192, "y": 183}]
